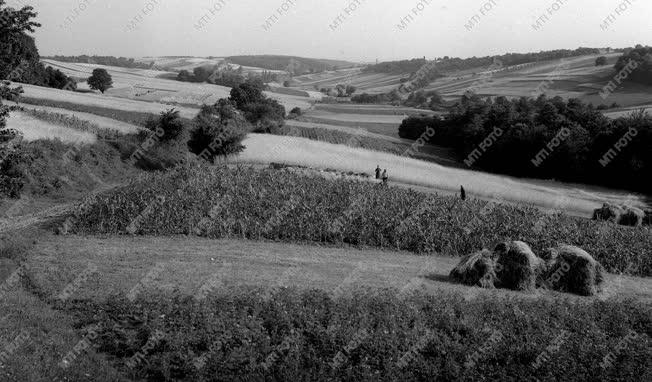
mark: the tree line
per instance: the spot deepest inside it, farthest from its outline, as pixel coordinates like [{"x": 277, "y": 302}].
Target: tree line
[
  {"x": 547, "y": 138},
  {"x": 642, "y": 56},
  {"x": 447, "y": 64},
  {"x": 122, "y": 62}
]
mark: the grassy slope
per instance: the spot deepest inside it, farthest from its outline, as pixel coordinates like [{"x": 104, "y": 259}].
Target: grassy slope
[
  {"x": 575, "y": 199},
  {"x": 256, "y": 322}
]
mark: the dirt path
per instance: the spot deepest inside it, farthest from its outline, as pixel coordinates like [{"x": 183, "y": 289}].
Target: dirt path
[{"x": 187, "y": 264}]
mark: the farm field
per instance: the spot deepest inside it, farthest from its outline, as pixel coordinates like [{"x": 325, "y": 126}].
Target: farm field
[
  {"x": 145, "y": 85},
  {"x": 188, "y": 262},
  {"x": 34, "y": 129},
  {"x": 574, "y": 199},
  {"x": 103, "y": 101},
  {"x": 102, "y": 122}
]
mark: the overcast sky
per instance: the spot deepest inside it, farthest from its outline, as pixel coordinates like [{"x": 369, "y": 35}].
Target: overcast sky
[{"x": 368, "y": 29}]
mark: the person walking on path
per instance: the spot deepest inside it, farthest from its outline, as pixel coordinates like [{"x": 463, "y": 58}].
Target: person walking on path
[
  {"x": 377, "y": 172},
  {"x": 385, "y": 177},
  {"x": 462, "y": 193}
]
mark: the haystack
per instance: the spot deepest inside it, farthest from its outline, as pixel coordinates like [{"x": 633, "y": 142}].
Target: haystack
[
  {"x": 632, "y": 217},
  {"x": 476, "y": 269},
  {"x": 647, "y": 220},
  {"x": 571, "y": 269},
  {"x": 608, "y": 212},
  {"x": 517, "y": 267}
]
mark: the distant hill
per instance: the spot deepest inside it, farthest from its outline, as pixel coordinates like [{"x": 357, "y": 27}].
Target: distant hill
[
  {"x": 449, "y": 64},
  {"x": 297, "y": 65}
]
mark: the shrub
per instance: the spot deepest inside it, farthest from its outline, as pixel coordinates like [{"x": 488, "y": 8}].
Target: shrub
[
  {"x": 249, "y": 98},
  {"x": 218, "y": 131},
  {"x": 601, "y": 61},
  {"x": 169, "y": 122}
]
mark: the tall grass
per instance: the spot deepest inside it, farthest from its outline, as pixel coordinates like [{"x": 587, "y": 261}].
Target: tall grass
[{"x": 277, "y": 205}]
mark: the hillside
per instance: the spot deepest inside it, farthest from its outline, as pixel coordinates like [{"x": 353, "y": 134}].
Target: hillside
[{"x": 296, "y": 65}]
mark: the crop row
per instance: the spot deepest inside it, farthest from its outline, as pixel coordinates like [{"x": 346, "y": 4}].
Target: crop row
[{"x": 219, "y": 202}]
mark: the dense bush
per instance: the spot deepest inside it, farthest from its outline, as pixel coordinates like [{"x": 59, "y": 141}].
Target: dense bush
[
  {"x": 11, "y": 158},
  {"x": 365, "y": 98},
  {"x": 169, "y": 122},
  {"x": 218, "y": 131},
  {"x": 642, "y": 56},
  {"x": 291, "y": 335},
  {"x": 545, "y": 138},
  {"x": 601, "y": 61},
  {"x": 221, "y": 202},
  {"x": 256, "y": 107}
]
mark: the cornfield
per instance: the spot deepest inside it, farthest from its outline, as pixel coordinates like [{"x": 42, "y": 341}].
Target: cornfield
[{"x": 243, "y": 202}]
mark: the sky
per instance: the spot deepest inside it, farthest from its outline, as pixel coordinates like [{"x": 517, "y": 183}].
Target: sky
[{"x": 355, "y": 30}]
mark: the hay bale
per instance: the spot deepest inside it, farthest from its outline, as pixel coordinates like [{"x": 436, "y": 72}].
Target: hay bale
[
  {"x": 647, "y": 220},
  {"x": 517, "y": 266},
  {"x": 608, "y": 212},
  {"x": 632, "y": 217},
  {"x": 476, "y": 269},
  {"x": 571, "y": 269}
]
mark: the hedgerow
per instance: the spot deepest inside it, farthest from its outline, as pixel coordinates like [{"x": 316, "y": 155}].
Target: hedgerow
[{"x": 219, "y": 202}]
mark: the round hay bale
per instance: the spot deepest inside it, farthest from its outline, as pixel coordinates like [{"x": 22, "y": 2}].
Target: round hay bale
[
  {"x": 632, "y": 217},
  {"x": 476, "y": 269},
  {"x": 573, "y": 270},
  {"x": 608, "y": 212},
  {"x": 517, "y": 266}
]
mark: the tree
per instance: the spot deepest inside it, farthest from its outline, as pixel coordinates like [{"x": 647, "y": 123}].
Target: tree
[
  {"x": 169, "y": 122},
  {"x": 100, "y": 80},
  {"x": 184, "y": 76},
  {"x": 219, "y": 131},
  {"x": 350, "y": 89},
  {"x": 601, "y": 61}
]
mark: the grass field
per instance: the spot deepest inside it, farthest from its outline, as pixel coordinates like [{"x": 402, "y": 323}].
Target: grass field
[{"x": 34, "y": 128}]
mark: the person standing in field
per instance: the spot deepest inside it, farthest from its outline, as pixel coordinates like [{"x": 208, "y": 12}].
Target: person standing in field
[
  {"x": 385, "y": 177},
  {"x": 377, "y": 172},
  {"x": 462, "y": 193}
]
